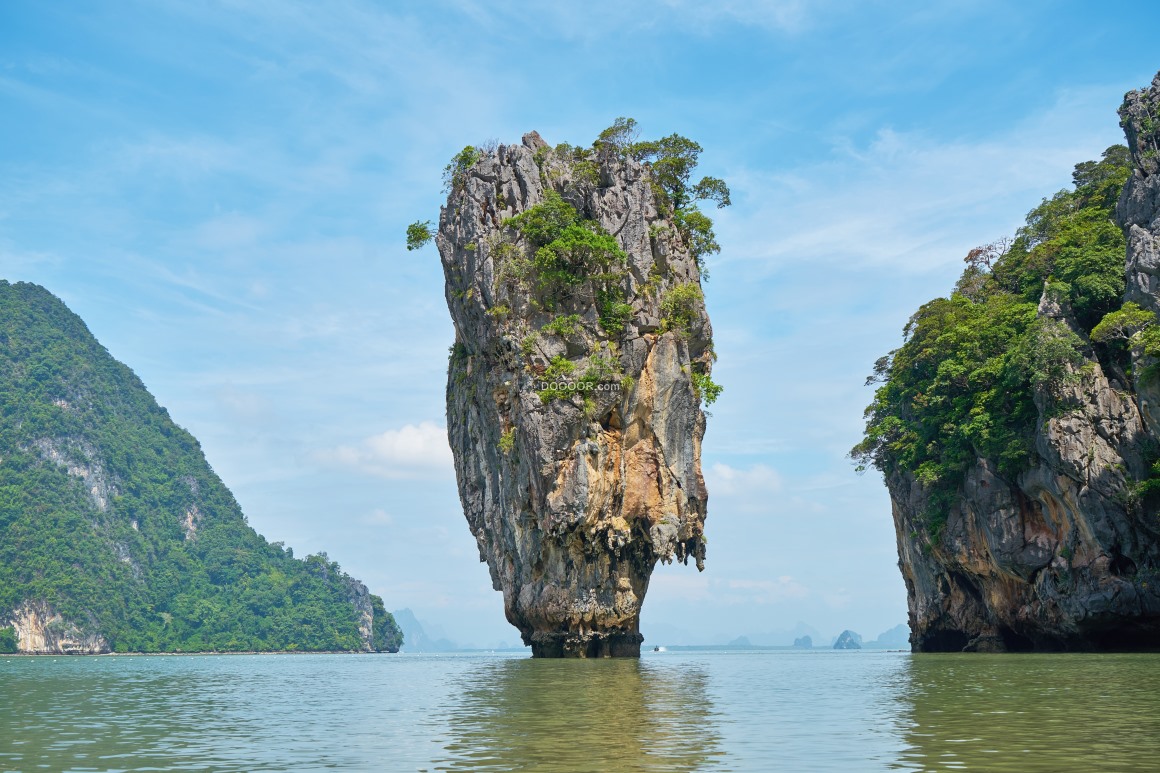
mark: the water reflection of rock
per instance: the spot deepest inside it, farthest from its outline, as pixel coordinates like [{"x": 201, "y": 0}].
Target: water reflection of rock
[
  {"x": 582, "y": 715},
  {"x": 1028, "y": 713}
]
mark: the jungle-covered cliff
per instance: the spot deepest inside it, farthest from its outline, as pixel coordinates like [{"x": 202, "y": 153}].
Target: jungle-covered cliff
[
  {"x": 581, "y": 361},
  {"x": 1016, "y": 426},
  {"x": 115, "y": 533}
]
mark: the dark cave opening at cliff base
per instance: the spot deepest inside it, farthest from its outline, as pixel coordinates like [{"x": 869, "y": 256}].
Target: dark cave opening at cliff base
[
  {"x": 1016, "y": 642},
  {"x": 943, "y": 641},
  {"x": 1139, "y": 639},
  {"x": 1114, "y": 638}
]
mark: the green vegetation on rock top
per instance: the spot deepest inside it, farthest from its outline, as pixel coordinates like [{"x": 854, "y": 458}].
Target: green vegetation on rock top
[
  {"x": 555, "y": 257},
  {"x": 110, "y": 514},
  {"x": 963, "y": 385}
]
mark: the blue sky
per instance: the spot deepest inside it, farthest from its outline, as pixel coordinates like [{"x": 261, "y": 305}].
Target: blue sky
[{"x": 220, "y": 190}]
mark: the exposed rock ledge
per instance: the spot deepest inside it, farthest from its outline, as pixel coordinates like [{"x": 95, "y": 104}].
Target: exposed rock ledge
[{"x": 42, "y": 631}]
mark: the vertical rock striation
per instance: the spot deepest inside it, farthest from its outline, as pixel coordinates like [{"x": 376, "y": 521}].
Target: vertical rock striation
[
  {"x": 1065, "y": 556},
  {"x": 572, "y": 409}
]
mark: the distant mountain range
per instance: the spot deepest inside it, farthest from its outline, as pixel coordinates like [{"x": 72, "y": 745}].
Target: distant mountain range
[
  {"x": 671, "y": 636},
  {"x": 416, "y": 638}
]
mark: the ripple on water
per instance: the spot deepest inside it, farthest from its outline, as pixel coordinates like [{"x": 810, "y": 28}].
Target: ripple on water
[{"x": 674, "y": 711}]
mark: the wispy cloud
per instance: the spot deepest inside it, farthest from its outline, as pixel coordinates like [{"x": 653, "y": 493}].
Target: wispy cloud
[
  {"x": 378, "y": 517},
  {"x": 784, "y": 15},
  {"x": 413, "y": 450},
  {"x": 733, "y": 591},
  {"x": 757, "y": 480},
  {"x": 907, "y": 200}
]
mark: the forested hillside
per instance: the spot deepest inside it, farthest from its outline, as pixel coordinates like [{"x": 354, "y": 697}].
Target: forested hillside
[{"x": 115, "y": 533}]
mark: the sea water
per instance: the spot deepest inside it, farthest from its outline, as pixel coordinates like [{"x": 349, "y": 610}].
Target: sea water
[{"x": 745, "y": 710}]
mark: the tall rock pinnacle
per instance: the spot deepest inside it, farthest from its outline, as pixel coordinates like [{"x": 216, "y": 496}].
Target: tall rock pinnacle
[{"x": 582, "y": 355}]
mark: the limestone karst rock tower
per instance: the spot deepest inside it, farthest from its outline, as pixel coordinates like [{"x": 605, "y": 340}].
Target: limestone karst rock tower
[
  {"x": 582, "y": 355},
  {"x": 1061, "y": 550}
]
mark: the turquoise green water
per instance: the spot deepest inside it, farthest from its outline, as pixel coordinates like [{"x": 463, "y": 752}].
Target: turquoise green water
[{"x": 673, "y": 711}]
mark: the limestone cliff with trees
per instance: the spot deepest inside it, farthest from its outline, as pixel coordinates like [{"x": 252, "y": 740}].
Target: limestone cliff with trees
[
  {"x": 1017, "y": 425},
  {"x": 581, "y": 363}
]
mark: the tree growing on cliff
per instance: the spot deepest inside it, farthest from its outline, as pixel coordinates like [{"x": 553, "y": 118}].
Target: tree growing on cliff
[
  {"x": 455, "y": 170},
  {"x": 672, "y": 160},
  {"x": 962, "y": 386},
  {"x": 419, "y": 234},
  {"x": 620, "y": 137}
]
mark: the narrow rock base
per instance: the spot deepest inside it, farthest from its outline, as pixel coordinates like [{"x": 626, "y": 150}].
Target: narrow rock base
[{"x": 594, "y": 644}]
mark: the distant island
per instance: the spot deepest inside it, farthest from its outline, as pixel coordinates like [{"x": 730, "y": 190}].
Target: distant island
[{"x": 115, "y": 533}]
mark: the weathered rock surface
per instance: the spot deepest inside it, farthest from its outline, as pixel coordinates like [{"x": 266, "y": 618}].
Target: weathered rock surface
[
  {"x": 1064, "y": 557},
  {"x": 40, "y": 630},
  {"x": 848, "y": 640},
  {"x": 572, "y": 501}
]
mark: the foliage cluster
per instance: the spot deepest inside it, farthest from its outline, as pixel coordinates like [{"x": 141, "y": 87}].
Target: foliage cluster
[
  {"x": 572, "y": 253},
  {"x": 707, "y": 389},
  {"x": 131, "y": 572},
  {"x": 419, "y": 234},
  {"x": 507, "y": 441},
  {"x": 563, "y": 326},
  {"x": 671, "y": 161},
  {"x": 456, "y": 170},
  {"x": 962, "y": 386},
  {"x": 679, "y": 307},
  {"x": 1132, "y": 325},
  {"x": 563, "y": 381}
]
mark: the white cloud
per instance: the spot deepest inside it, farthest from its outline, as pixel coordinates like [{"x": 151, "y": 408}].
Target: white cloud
[
  {"x": 687, "y": 588},
  {"x": 229, "y": 230},
  {"x": 13, "y": 261},
  {"x": 244, "y": 405},
  {"x": 185, "y": 158},
  {"x": 411, "y": 451},
  {"x": 732, "y": 481},
  {"x": 378, "y": 517},
  {"x": 768, "y": 591},
  {"x": 906, "y": 201}
]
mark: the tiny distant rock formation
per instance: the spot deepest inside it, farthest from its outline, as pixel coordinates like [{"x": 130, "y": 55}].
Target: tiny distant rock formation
[
  {"x": 848, "y": 640},
  {"x": 897, "y": 637},
  {"x": 581, "y": 359},
  {"x": 803, "y": 643},
  {"x": 415, "y": 636}
]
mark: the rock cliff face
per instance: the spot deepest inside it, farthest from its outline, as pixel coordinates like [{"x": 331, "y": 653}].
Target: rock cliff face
[
  {"x": 1066, "y": 556},
  {"x": 40, "y": 630},
  {"x": 572, "y": 410}
]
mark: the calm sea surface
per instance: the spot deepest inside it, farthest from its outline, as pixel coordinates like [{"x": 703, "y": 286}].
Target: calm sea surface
[{"x": 671, "y": 711}]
